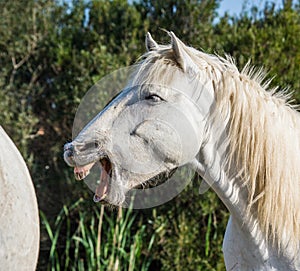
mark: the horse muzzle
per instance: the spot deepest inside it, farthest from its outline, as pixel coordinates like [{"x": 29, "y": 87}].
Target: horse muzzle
[{"x": 69, "y": 154}]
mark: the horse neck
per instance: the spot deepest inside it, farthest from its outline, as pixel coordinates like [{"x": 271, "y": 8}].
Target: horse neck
[
  {"x": 244, "y": 241},
  {"x": 229, "y": 189}
]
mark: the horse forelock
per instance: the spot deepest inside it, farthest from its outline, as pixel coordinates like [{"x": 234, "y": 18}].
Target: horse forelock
[{"x": 263, "y": 136}]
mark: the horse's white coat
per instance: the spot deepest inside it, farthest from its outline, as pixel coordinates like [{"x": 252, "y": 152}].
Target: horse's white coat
[{"x": 19, "y": 220}]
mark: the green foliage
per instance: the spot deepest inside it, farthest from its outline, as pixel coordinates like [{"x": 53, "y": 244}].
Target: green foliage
[
  {"x": 52, "y": 52},
  {"x": 193, "y": 18},
  {"x": 190, "y": 231},
  {"x": 270, "y": 38},
  {"x": 98, "y": 241}
]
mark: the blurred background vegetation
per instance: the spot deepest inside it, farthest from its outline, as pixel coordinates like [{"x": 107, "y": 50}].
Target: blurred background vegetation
[{"x": 52, "y": 52}]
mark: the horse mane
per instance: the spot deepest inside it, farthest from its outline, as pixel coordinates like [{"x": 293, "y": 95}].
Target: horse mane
[
  {"x": 264, "y": 144},
  {"x": 264, "y": 139}
]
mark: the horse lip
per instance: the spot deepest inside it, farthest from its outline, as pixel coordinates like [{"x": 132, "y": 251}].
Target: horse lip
[
  {"x": 97, "y": 199},
  {"x": 83, "y": 159},
  {"x": 82, "y": 171},
  {"x": 83, "y": 164}
]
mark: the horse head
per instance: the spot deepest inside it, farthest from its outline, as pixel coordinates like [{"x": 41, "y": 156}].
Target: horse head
[{"x": 153, "y": 126}]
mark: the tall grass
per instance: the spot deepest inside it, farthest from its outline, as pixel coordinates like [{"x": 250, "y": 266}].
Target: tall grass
[
  {"x": 185, "y": 234},
  {"x": 98, "y": 241}
]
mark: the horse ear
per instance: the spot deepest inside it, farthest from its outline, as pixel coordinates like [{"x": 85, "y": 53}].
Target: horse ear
[
  {"x": 151, "y": 44},
  {"x": 181, "y": 56}
]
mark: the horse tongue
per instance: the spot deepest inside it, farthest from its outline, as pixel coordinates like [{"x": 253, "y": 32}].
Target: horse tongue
[{"x": 101, "y": 190}]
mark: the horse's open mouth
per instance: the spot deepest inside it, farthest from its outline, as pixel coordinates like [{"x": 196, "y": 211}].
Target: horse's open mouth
[{"x": 102, "y": 188}]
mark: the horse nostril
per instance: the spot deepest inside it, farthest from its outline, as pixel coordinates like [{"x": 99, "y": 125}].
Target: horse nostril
[{"x": 69, "y": 147}]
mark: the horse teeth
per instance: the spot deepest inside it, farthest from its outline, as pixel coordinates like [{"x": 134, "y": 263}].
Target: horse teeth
[
  {"x": 78, "y": 176},
  {"x": 81, "y": 173}
]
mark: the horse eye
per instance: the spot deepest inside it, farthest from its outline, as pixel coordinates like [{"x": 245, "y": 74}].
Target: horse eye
[{"x": 154, "y": 98}]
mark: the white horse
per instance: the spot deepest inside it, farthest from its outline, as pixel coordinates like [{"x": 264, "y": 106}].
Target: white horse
[
  {"x": 19, "y": 217},
  {"x": 243, "y": 139}
]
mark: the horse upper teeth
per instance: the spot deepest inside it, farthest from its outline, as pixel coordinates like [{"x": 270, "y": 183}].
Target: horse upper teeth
[{"x": 82, "y": 171}]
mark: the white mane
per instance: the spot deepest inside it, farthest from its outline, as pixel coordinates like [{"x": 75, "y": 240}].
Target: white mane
[
  {"x": 264, "y": 139},
  {"x": 264, "y": 134}
]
